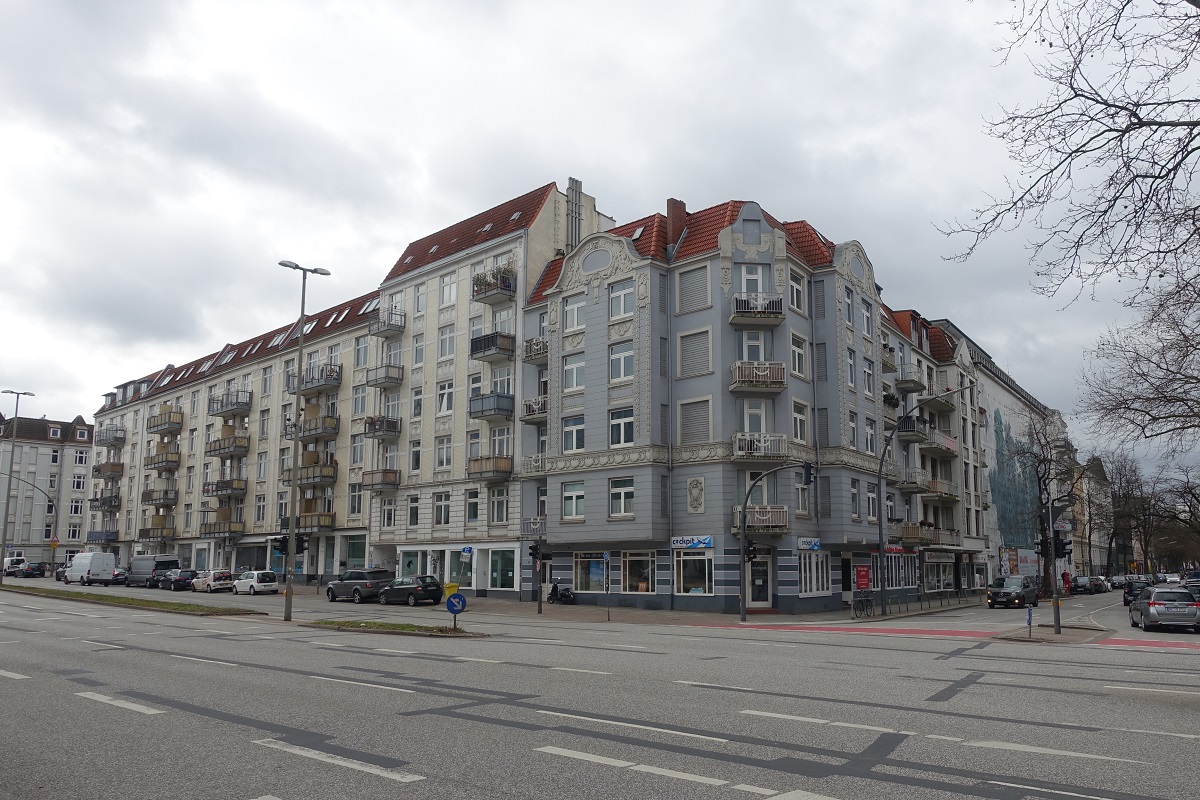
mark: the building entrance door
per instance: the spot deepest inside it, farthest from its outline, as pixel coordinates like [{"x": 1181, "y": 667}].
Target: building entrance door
[{"x": 758, "y": 578}]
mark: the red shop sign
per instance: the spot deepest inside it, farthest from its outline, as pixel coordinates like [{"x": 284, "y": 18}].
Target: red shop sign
[{"x": 862, "y": 576}]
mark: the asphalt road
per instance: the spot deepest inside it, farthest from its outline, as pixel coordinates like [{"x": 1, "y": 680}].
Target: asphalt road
[{"x": 125, "y": 703}]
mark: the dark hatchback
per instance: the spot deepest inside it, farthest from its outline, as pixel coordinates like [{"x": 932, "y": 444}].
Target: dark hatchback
[
  {"x": 177, "y": 580},
  {"x": 1012, "y": 590},
  {"x": 412, "y": 590},
  {"x": 1132, "y": 589},
  {"x": 31, "y": 569},
  {"x": 1082, "y": 584}
]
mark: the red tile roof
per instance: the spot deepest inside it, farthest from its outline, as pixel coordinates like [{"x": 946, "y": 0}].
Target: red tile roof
[
  {"x": 651, "y": 243},
  {"x": 815, "y": 250},
  {"x": 506, "y": 218},
  {"x": 941, "y": 345},
  {"x": 549, "y": 278}
]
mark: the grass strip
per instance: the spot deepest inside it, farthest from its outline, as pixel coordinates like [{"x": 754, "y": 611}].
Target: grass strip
[
  {"x": 400, "y": 627},
  {"x": 133, "y": 602}
]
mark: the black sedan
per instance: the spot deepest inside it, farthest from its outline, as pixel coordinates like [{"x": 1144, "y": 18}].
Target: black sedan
[
  {"x": 177, "y": 579},
  {"x": 1082, "y": 584},
  {"x": 412, "y": 590},
  {"x": 31, "y": 569}
]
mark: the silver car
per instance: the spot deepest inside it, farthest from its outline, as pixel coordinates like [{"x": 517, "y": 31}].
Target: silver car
[{"x": 1174, "y": 607}]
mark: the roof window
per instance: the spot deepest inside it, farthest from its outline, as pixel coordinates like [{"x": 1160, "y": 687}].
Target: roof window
[
  {"x": 342, "y": 316},
  {"x": 637, "y": 233},
  {"x": 514, "y": 216},
  {"x": 433, "y": 249},
  {"x": 486, "y": 228},
  {"x": 204, "y": 367},
  {"x": 278, "y": 338},
  {"x": 225, "y": 359},
  {"x": 370, "y": 306},
  {"x": 408, "y": 259}
]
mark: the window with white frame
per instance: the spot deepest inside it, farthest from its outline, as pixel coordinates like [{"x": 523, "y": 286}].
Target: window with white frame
[
  {"x": 504, "y": 320},
  {"x": 391, "y": 405},
  {"x": 872, "y": 501},
  {"x": 414, "y": 509},
  {"x": 620, "y": 497},
  {"x": 261, "y": 467},
  {"x": 419, "y": 298},
  {"x": 354, "y": 500},
  {"x": 501, "y": 441},
  {"x": 637, "y": 572},
  {"x": 754, "y": 345},
  {"x": 393, "y": 353},
  {"x": 869, "y": 435},
  {"x": 417, "y": 402},
  {"x": 74, "y": 530},
  {"x": 620, "y": 361},
  {"x": 449, "y": 287},
  {"x": 849, "y": 306},
  {"x": 694, "y": 354},
  {"x": 81, "y": 458},
  {"x": 358, "y": 401},
  {"x": 362, "y": 351},
  {"x": 855, "y": 511},
  {"x": 473, "y": 445},
  {"x": 868, "y": 376},
  {"x": 852, "y": 430},
  {"x": 620, "y": 427},
  {"x": 264, "y": 423},
  {"x": 573, "y": 372},
  {"x": 357, "y": 446},
  {"x": 799, "y": 354},
  {"x": 850, "y": 367},
  {"x": 693, "y": 571},
  {"x": 414, "y": 455},
  {"x": 572, "y": 500},
  {"x": 442, "y": 453},
  {"x": 387, "y": 512},
  {"x": 472, "y": 505},
  {"x": 260, "y": 508},
  {"x": 502, "y": 380},
  {"x": 814, "y": 573},
  {"x": 693, "y": 290},
  {"x": 620, "y": 299},
  {"x": 445, "y": 397},
  {"x": 868, "y": 317},
  {"x": 418, "y": 346},
  {"x": 796, "y": 284},
  {"x": 441, "y": 508},
  {"x": 475, "y": 384},
  {"x": 799, "y": 421},
  {"x": 390, "y": 458},
  {"x": 803, "y": 494},
  {"x": 78, "y": 483},
  {"x": 446, "y": 341},
  {"x": 573, "y": 312},
  {"x": 573, "y": 430},
  {"x": 497, "y": 505}
]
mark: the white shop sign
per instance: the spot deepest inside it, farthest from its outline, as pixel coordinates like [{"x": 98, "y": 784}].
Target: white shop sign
[
  {"x": 808, "y": 544},
  {"x": 690, "y": 542}
]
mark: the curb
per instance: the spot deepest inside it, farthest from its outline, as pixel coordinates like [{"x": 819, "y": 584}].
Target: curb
[{"x": 350, "y": 628}]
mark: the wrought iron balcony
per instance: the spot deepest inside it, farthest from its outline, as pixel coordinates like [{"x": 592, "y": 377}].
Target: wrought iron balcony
[
  {"x": 754, "y": 446},
  {"x": 387, "y": 324},
  {"x": 316, "y": 379},
  {"x": 227, "y": 528},
  {"x": 165, "y": 422},
  {"x": 910, "y": 378},
  {"x": 110, "y": 436},
  {"x": 493, "y": 406},
  {"x": 322, "y": 427},
  {"x": 108, "y": 470},
  {"x": 315, "y": 475},
  {"x": 493, "y": 347},
  {"x": 382, "y": 427},
  {"x": 533, "y": 526},
  {"x": 100, "y": 537},
  {"x": 913, "y": 479},
  {"x": 389, "y": 376},
  {"x": 762, "y": 519},
  {"x": 912, "y": 430},
  {"x": 160, "y": 498},
  {"x": 889, "y": 417},
  {"x": 756, "y": 309},
  {"x": 164, "y": 459},
  {"x": 537, "y": 350},
  {"x": 235, "y": 487},
  {"x": 490, "y": 468},
  {"x": 109, "y": 501},
  {"x": 493, "y": 286},
  {"x": 758, "y": 377},
  {"x": 534, "y": 408},
  {"x": 381, "y": 480},
  {"x": 238, "y": 445},
  {"x": 155, "y": 534},
  {"x": 233, "y": 402}
]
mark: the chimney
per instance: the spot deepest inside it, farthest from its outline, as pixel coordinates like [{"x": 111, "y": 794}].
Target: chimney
[{"x": 676, "y": 219}]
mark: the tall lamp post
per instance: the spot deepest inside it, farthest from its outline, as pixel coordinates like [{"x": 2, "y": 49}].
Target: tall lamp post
[
  {"x": 12, "y": 454},
  {"x": 294, "y": 492},
  {"x": 745, "y": 548}
]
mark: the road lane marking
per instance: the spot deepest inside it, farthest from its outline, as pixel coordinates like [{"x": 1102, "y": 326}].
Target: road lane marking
[
  {"x": 102, "y": 644},
  {"x": 745, "y": 787},
  {"x": 792, "y": 717},
  {"x": 559, "y": 751},
  {"x": 121, "y": 703},
  {"x": 341, "y": 761},
  {"x": 718, "y": 686},
  {"x": 1159, "y": 733},
  {"x": 633, "y": 725},
  {"x": 800, "y": 794},
  {"x": 942, "y": 738},
  {"x": 402, "y": 652},
  {"x": 152, "y": 633},
  {"x": 1146, "y": 689},
  {"x": 532, "y": 639},
  {"x": 204, "y": 660},
  {"x": 1049, "y": 791},
  {"x": 629, "y": 646},
  {"x": 327, "y": 644},
  {"x": 14, "y": 675},
  {"x": 210, "y": 630},
  {"x": 480, "y": 660},
  {"x": 46, "y": 619},
  {"x": 361, "y": 683},
  {"x": 861, "y": 727},
  {"x": 589, "y": 671},
  {"x": 1026, "y": 748},
  {"x": 670, "y": 773}
]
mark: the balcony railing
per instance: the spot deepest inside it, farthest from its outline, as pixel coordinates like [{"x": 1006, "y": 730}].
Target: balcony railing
[
  {"x": 939, "y": 397},
  {"x": 946, "y": 538},
  {"x": 887, "y": 359},
  {"x": 166, "y": 459},
  {"x": 942, "y": 488},
  {"x": 497, "y": 285},
  {"x": 322, "y": 427},
  {"x": 533, "y": 526},
  {"x": 534, "y": 408},
  {"x": 889, "y": 417},
  {"x": 238, "y": 445},
  {"x": 107, "y": 470},
  {"x": 106, "y": 502},
  {"x": 985, "y": 499},
  {"x": 100, "y": 537},
  {"x": 912, "y": 429},
  {"x": 155, "y": 534},
  {"x": 494, "y": 346},
  {"x": 387, "y": 324},
  {"x": 389, "y": 376},
  {"x": 762, "y": 519},
  {"x": 490, "y": 468},
  {"x": 756, "y": 309},
  {"x": 381, "y": 480},
  {"x": 537, "y": 350},
  {"x": 941, "y": 443},
  {"x": 491, "y": 406},
  {"x": 768, "y": 377},
  {"x": 382, "y": 427},
  {"x": 235, "y": 487},
  {"x": 753, "y": 446},
  {"x": 316, "y": 522},
  {"x": 160, "y": 498},
  {"x": 166, "y": 422},
  {"x": 534, "y": 464},
  {"x": 110, "y": 435},
  {"x": 910, "y": 378},
  {"x": 913, "y": 479},
  {"x": 315, "y": 475},
  {"x": 915, "y": 533},
  {"x": 230, "y": 403},
  {"x": 227, "y": 528},
  {"x": 316, "y": 379}
]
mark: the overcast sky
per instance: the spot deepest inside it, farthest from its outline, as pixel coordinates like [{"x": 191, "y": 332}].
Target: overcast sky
[{"x": 160, "y": 157}]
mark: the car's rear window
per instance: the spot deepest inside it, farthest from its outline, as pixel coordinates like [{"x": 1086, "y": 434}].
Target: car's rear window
[
  {"x": 266, "y": 577},
  {"x": 1174, "y": 597},
  {"x": 426, "y": 580},
  {"x": 222, "y": 576}
]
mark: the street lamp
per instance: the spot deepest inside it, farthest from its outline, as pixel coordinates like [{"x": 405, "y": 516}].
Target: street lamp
[
  {"x": 12, "y": 454},
  {"x": 293, "y": 493},
  {"x": 744, "y": 550}
]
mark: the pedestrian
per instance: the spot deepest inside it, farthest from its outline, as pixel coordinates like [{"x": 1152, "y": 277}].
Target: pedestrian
[{"x": 1066, "y": 579}]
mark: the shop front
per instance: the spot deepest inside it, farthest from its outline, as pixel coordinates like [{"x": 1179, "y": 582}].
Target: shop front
[{"x": 479, "y": 569}]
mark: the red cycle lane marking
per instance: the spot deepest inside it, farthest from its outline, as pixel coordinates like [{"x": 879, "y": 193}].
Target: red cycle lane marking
[
  {"x": 1150, "y": 643},
  {"x": 863, "y": 629}
]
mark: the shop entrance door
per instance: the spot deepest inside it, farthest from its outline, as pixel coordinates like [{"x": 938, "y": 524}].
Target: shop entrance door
[{"x": 758, "y": 579}]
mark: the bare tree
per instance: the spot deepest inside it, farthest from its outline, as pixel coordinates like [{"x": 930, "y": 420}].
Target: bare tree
[
  {"x": 1183, "y": 507},
  {"x": 1094, "y": 493},
  {"x": 1106, "y": 161},
  {"x": 1125, "y": 478}
]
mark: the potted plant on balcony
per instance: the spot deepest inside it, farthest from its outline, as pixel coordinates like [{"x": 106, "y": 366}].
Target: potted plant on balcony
[{"x": 891, "y": 400}]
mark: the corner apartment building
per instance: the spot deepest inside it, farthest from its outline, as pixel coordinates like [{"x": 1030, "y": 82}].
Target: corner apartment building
[{"x": 48, "y": 460}]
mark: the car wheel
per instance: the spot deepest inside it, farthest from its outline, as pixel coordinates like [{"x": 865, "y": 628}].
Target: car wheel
[
  {"x": 1132, "y": 621},
  {"x": 1036, "y": 600},
  {"x": 274, "y": 591},
  {"x": 411, "y": 599},
  {"x": 252, "y": 591},
  {"x": 331, "y": 595},
  {"x": 235, "y": 591},
  {"x": 990, "y": 605},
  {"x": 357, "y": 596},
  {"x": 383, "y": 601}
]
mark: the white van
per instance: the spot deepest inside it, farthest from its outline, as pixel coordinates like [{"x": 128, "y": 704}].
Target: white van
[
  {"x": 89, "y": 568},
  {"x": 12, "y": 563}
]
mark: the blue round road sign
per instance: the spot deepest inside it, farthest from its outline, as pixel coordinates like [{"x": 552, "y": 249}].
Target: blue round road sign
[{"x": 456, "y": 603}]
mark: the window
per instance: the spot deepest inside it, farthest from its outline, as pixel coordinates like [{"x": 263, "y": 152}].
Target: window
[
  {"x": 799, "y": 421},
  {"x": 620, "y": 427},
  {"x": 56, "y": 433},
  {"x": 869, "y": 435},
  {"x": 81, "y": 435},
  {"x": 850, "y": 368},
  {"x": 442, "y": 451},
  {"x": 799, "y": 352},
  {"x": 637, "y": 572},
  {"x": 78, "y": 483},
  {"x": 74, "y": 530},
  {"x": 358, "y": 401},
  {"x": 361, "y": 350},
  {"x": 693, "y": 354},
  {"x": 417, "y": 401},
  {"x": 503, "y": 320},
  {"x": 693, "y": 290},
  {"x": 693, "y": 572},
  {"x": 502, "y": 441},
  {"x": 475, "y": 384},
  {"x": 498, "y": 505},
  {"x": 260, "y": 508},
  {"x": 572, "y": 433},
  {"x": 852, "y": 431},
  {"x": 620, "y": 361},
  {"x": 572, "y": 500},
  {"x": 354, "y": 503},
  {"x": 387, "y": 512},
  {"x": 445, "y": 397},
  {"x": 357, "y": 446},
  {"x": 448, "y": 289},
  {"x": 868, "y": 317},
  {"x": 502, "y": 380},
  {"x": 620, "y": 299},
  {"x": 264, "y": 423},
  {"x": 796, "y": 292},
  {"x": 855, "y": 511},
  {"x": 441, "y": 508},
  {"x": 620, "y": 497},
  {"x": 76, "y": 507},
  {"x": 849, "y": 306},
  {"x": 419, "y": 298},
  {"x": 414, "y": 509},
  {"x": 418, "y": 345},
  {"x": 446, "y": 341},
  {"x": 589, "y": 572},
  {"x": 475, "y": 327},
  {"x": 414, "y": 455},
  {"x": 473, "y": 445},
  {"x": 472, "y": 505},
  {"x": 81, "y": 458},
  {"x": 872, "y": 501},
  {"x": 802, "y": 494},
  {"x": 501, "y": 574},
  {"x": 391, "y": 456},
  {"x": 285, "y": 460},
  {"x": 814, "y": 573},
  {"x": 573, "y": 372},
  {"x": 54, "y": 454},
  {"x": 868, "y": 376},
  {"x": 694, "y": 423},
  {"x": 393, "y": 353},
  {"x": 573, "y": 312},
  {"x": 54, "y": 479},
  {"x": 281, "y": 505},
  {"x": 261, "y": 468}
]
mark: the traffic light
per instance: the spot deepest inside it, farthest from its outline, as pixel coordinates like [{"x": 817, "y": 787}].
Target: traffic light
[
  {"x": 279, "y": 543},
  {"x": 1039, "y": 547},
  {"x": 301, "y": 542},
  {"x": 751, "y": 552},
  {"x": 535, "y": 551},
  {"x": 1060, "y": 547},
  {"x": 808, "y": 473},
  {"x": 1068, "y": 546}
]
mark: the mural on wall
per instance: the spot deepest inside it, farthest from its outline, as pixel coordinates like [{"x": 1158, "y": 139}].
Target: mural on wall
[{"x": 1014, "y": 489}]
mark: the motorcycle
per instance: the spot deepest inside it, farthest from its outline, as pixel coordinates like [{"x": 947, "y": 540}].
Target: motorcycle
[{"x": 560, "y": 595}]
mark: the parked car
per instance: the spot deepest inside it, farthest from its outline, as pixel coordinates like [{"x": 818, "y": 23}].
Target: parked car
[
  {"x": 31, "y": 569},
  {"x": 359, "y": 584},
  {"x": 212, "y": 580},
  {"x": 145, "y": 570},
  {"x": 61, "y": 572},
  {"x": 120, "y": 576},
  {"x": 256, "y": 581},
  {"x": 412, "y": 590},
  {"x": 1165, "y": 606},
  {"x": 1012, "y": 590},
  {"x": 1099, "y": 584},
  {"x": 177, "y": 579},
  {"x": 1133, "y": 588},
  {"x": 1118, "y": 581},
  {"x": 1082, "y": 584},
  {"x": 12, "y": 564},
  {"x": 1172, "y": 577}
]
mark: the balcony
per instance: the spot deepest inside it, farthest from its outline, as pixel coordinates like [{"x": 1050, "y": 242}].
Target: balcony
[
  {"x": 389, "y": 376},
  {"x": 981, "y": 456},
  {"x": 382, "y": 427},
  {"x": 165, "y": 459},
  {"x": 226, "y": 528},
  {"x": 759, "y": 446},
  {"x": 756, "y": 309},
  {"x": 494, "y": 286},
  {"x": 316, "y": 523},
  {"x": 387, "y": 324},
  {"x": 226, "y": 488},
  {"x": 110, "y": 436},
  {"x": 102, "y": 537},
  {"x": 889, "y": 417},
  {"x": 493, "y": 347},
  {"x": 974, "y": 543},
  {"x": 912, "y": 479},
  {"x": 316, "y": 428},
  {"x": 534, "y": 464},
  {"x": 762, "y": 519},
  {"x": 492, "y": 406},
  {"x": 940, "y": 444},
  {"x": 939, "y": 398},
  {"x": 985, "y": 499},
  {"x": 490, "y": 468},
  {"x": 758, "y": 377},
  {"x": 160, "y": 498},
  {"x": 533, "y": 526},
  {"x": 910, "y": 379},
  {"x": 228, "y": 446},
  {"x": 912, "y": 430},
  {"x": 235, "y": 402},
  {"x": 945, "y": 538},
  {"x": 534, "y": 409},
  {"x": 155, "y": 534},
  {"x": 108, "y": 470},
  {"x": 316, "y": 379},
  {"x": 381, "y": 480},
  {"x": 109, "y": 501},
  {"x": 166, "y": 422},
  {"x": 315, "y": 475},
  {"x": 941, "y": 489},
  {"x": 887, "y": 359},
  {"x": 914, "y": 533},
  {"x": 537, "y": 350}
]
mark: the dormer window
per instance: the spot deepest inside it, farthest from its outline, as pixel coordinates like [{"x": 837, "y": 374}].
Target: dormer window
[{"x": 56, "y": 433}]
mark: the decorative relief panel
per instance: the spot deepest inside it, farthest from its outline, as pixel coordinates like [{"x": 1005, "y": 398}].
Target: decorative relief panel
[
  {"x": 622, "y": 392},
  {"x": 620, "y": 330},
  {"x": 844, "y": 457},
  {"x": 643, "y": 290},
  {"x": 752, "y": 251},
  {"x": 695, "y": 495},
  {"x": 573, "y": 341},
  {"x": 709, "y": 451},
  {"x": 601, "y": 459},
  {"x": 414, "y": 430},
  {"x": 445, "y": 369},
  {"x": 447, "y": 315},
  {"x": 443, "y": 424},
  {"x": 583, "y": 269}
]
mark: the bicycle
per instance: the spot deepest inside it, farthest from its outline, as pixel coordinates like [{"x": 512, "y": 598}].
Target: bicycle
[{"x": 863, "y": 605}]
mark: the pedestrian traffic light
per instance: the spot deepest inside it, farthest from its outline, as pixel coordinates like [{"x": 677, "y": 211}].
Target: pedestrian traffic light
[
  {"x": 751, "y": 552},
  {"x": 535, "y": 551},
  {"x": 279, "y": 543},
  {"x": 301, "y": 542}
]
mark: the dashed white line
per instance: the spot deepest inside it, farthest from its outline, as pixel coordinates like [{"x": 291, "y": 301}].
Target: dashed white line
[
  {"x": 792, "y": 717},
  {"x": 670, "y": 773},
  {"x": 121, "y": 703},
  {"x": 746, "y": 787},
  {"x": 633, "y": 725},
  {"x": 210, "y": 630},
  {"x": 717, "y": 686},
  {"x": 861, "y": 727},
  {"x": 628, "y": 646},
  {"x": 327, "y": 644},
  {"x": 1049, "y": 791},
  {"x": 942, "y": 738},
  {"x": 46, "y": 619},
  {"x": 14, "y": 641},
  {"x": 1146, "y": 689},
  {"x": 341, "y": 761},
  {"x": 102, "y": 644},
  {"x": 480, "y": 660},
  {"x": 1025, "y": 748},
  {"x": 402, "y": 652},
  {"x": 589, "y": 671},
  {"x": 361, "y": 683},
  {"x": 800, "y": 794},
  {"x": 14, "y": 675},
  {"x": 582, "y": 756},
  {"x": 204, "y": 660}
]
